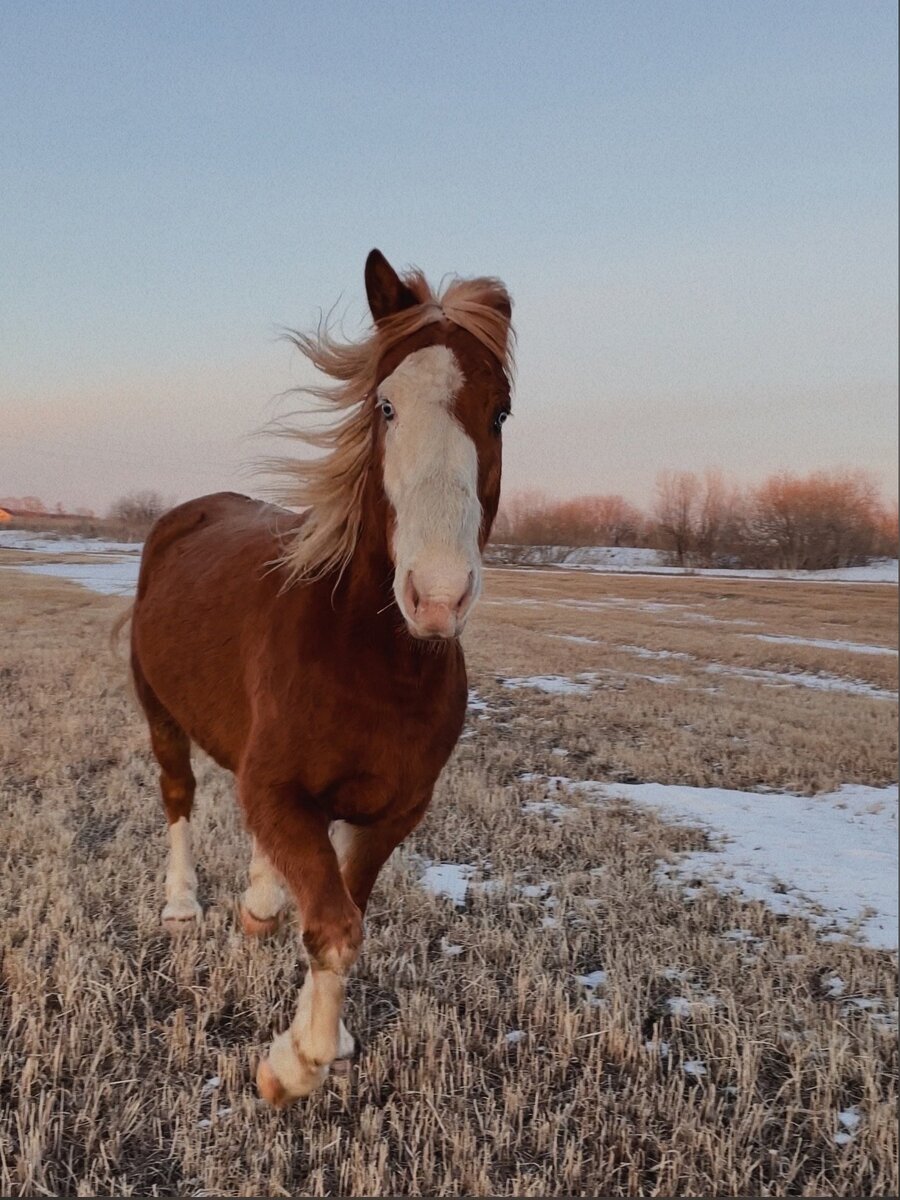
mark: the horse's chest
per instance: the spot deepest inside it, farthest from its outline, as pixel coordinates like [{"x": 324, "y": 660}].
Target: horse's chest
[{"x": 360, "y": 751}]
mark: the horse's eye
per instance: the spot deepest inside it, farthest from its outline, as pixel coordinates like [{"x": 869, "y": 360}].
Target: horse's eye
[
  {"x": 500, "y": 419},
  {"x": 387, "y": 409}
]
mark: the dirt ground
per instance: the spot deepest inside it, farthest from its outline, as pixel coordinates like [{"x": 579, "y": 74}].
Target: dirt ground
[{"x": 712, "y": 1057}]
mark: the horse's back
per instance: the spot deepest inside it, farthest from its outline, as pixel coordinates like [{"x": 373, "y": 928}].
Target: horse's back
[{"x": 218, "y": 524}]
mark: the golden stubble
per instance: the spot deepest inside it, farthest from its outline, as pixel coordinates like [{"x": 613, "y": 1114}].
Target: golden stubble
[{"x": 113, "y": 1034}]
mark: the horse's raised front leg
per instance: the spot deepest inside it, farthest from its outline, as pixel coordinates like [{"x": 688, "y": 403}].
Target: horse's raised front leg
[
  {"x": 265, "y": 898},
  {"x": 362, "y": 851},
  {"x": 294, "y": 837}
]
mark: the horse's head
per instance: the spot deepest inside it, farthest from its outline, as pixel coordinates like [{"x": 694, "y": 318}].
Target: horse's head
[{"x": 441, "y": 397}]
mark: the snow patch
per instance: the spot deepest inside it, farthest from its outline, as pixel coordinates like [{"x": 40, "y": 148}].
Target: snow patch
[
  {"x": 822, "y": 643},
  {"x": 114, "y": 578},
  {"x": 450, "y": 880},
  {"x": 581, "y": 685},
  {"x": 44, "y": 543},
  {"x": 831, "y": 858},
  {"x": 694, "y": 1066},
  {"x": 639, "y": 560},
  {"x": 820, "y": 681}
]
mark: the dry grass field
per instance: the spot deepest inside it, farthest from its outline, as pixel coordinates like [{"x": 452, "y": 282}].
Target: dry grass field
[{"x": 487, "y": 1067}]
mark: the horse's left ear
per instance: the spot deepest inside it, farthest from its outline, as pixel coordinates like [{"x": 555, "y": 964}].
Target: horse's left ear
[{"x": 385, "y": 290}]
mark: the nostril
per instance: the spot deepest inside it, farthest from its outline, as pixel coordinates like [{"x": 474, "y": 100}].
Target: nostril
[
  {"x": 464, "y": 598},
  {"x": 413, "y": 599}
]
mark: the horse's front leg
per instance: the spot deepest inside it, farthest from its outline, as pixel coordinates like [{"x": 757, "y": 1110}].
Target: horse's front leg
[
  {"x": 294, "y": 837},
  {"x": 362, "y": 851}
]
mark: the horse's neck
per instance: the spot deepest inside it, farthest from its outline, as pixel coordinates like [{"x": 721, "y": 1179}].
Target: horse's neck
[{"x": 363, "y": 605}]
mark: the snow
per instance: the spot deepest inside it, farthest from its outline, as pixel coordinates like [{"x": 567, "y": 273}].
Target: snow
[
  {"x": 112, "y": 578},
  {"x": 823, "y": 643},
  {"x": 850, "y": 1119},
  {"x": 678, "y": 1006},
  {"x": 116, "y": 575},
  {"x": 643, "y": 652},
  {"x": 831, "y": 858},
  {"x": 42, "y": 543},
  {"x": 630, "y": 559},
  {"x": 477, "y": 704},
  {"x": 556, "y": 684},
  {"x": 661, "y": 1048},
  {"x": 821, "y": 681},
  {"x": 583, "y": 683},
  {"x": 834, "y": 986},
  {"x": 592, "y": 980},
  {"x": 450, "y": 880}
]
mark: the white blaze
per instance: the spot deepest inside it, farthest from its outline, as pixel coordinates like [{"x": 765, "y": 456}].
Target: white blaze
[{"x": 431, "y": 479}]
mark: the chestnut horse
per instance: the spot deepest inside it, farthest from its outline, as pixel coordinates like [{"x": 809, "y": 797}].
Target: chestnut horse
[{"x": 317, "y": 656}]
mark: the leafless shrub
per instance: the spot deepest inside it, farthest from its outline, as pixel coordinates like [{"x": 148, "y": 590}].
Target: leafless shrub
[
  {"x": 531, "y": 519},
  {"x": 813, "y": 522},
  {"x": 135, "y": 513}
]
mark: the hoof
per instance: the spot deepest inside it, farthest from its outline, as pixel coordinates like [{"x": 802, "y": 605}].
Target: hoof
[
  {"x": 270, "y": 1087},
  {"x": 285, "y": 1076},
  {"x": 181, "y": 915},
  {"x": 258, "y": 926}
]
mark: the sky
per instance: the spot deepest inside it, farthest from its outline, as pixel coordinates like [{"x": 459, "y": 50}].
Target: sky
[{"x": 693, "y": 204}]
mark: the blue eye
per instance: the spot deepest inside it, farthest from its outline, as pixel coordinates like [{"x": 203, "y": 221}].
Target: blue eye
[
  {"x": 387, "y": 409},
  {"x": 500, "y": 420}
]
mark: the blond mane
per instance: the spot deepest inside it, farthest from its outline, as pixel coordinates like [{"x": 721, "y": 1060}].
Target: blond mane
[{"x": 331, "y": 487}]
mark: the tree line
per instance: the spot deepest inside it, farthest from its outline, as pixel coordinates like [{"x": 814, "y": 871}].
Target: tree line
[{"x": 818, "y": 521}]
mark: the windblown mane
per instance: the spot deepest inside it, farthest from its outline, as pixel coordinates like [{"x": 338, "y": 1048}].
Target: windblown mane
[{"x": 331, "y": 486}]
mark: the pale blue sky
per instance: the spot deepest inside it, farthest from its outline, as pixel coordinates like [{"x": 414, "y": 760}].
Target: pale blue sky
[{"x": 693, "y": 204}]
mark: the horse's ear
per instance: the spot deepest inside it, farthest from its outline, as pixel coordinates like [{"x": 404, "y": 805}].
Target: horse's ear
[{"x": 385, "y": 290}]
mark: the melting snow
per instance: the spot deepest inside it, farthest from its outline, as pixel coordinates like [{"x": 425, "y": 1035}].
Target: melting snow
[
  {"x": 821, "y": 681},
  {"x": 450, "y": 880},
  {"x": 823, "y": 643},
  {"x": 616, "y": 559},
  {"x": 798, "y": 854},
  {"x": 41, "y": 543},
  {"x": 580, "y": 686},
  {"x": 678, "y": 1006},
  {"x": 831, "y": 858},
  {"x": 113, "y": 578},
  {"x": 693, "y": 1066},
  {"x": 592, "y": 980},
  {"x": 834, "y": 985}
]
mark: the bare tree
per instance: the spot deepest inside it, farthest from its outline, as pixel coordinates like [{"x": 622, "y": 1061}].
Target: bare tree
[
  {"x": 136, "y": 512},
  {"x": 676, "y": 512},
  {"x": 823, "y": 520}
]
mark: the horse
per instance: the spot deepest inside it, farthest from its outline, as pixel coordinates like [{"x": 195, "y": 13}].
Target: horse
[{"x": 315, "y": 654}]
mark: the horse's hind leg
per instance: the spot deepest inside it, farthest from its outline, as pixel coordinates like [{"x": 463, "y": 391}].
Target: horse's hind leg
[
  {"x": 264, "y": 899},
  {"x": 172, "y": 750}
]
